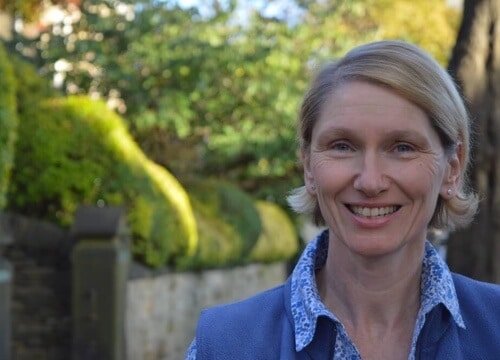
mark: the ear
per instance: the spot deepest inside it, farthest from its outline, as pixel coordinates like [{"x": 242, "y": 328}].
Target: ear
[
  {"x": 308, "y": 175},
  {"x": 452, "y": 178}
]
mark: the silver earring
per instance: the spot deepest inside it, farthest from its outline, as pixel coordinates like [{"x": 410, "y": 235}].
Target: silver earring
[
  {"x": 448, "y": 192},
  {"x": 313, "y": 187}
]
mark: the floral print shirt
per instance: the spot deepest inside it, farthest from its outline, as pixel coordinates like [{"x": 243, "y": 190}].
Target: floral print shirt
[{"x": 436, "y": 288}]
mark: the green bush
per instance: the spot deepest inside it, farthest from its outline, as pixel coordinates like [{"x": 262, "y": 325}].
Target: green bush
[
  {"x": 74, "y": 151},
  {"x": 8, "y": 122},
  {"x": 219, "y": 243},
  {"x": 31, "y": 88},
  {"x": 278, "y": 240},
  {"x": 229, "y": 225}
]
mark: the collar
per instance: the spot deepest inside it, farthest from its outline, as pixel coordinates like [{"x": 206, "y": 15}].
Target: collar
[
  {"x": 306, "y": 306},
  {"x": 437, "y": 285}
]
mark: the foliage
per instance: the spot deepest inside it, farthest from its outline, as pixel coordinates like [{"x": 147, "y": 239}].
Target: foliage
[
  {"x": 8, "y": 122},
  {"x": 31, "y": 88},
  {"x": 278, "y": 240},
  {"x": 430, "y": 24},
  {"x": 92, "y": 160},
  {"x": 26, "y": 9},
  {"x": 229, "y": 223},
  {"x": 230, "y": 87},
  {"x": 219, "y": 244}
]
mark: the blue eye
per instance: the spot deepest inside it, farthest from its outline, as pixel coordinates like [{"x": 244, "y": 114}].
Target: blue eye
[
  {"x": 341, "y": 146},
  {"x": 403, "y": 148}
]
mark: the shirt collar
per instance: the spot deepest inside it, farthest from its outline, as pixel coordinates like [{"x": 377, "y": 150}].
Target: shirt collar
[
  {"x": 437, "y": 285},
  {"x": 437, "y": 288}
]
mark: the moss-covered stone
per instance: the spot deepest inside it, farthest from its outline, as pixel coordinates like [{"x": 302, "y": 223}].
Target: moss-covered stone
[
  {"x": 76, "y": 151},
  {"x": 8, "y": 122},
  {"x": 278, "y": 240}
]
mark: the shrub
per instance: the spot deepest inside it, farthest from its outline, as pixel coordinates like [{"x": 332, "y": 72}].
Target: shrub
[
  {"x": 278, "y": 240},
  {"x": 228, "y": 224},
  {"x": 219, "y": 244},
  {"x": 75, "y": 151},
  {"x": 8, "y": 122},
  {"x": 31, "y": 88}
]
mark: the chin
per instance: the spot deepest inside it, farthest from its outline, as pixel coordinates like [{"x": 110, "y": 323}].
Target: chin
[{"x": 375, "y": 248}]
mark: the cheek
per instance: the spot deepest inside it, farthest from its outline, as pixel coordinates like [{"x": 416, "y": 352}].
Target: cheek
[
  {"x": 425, "y": 178},
  {"x": 434, "y": 171},
  {"x": 329, "y": 173}
]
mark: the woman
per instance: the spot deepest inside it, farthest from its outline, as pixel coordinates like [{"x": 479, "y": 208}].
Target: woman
[{"x": 384, "y": 138}]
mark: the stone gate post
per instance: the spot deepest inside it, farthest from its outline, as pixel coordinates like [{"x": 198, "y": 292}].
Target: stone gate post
[{"x": 100, "y": 259}]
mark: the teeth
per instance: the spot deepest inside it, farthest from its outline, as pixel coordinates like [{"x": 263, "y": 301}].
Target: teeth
[{"x": 372, "y": 212}]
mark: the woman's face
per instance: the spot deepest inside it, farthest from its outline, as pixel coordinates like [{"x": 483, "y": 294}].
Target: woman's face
[{"x": 377, "y": 167}]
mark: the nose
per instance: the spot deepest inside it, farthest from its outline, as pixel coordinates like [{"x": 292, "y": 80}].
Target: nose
[{"x": 370, "y": 177}]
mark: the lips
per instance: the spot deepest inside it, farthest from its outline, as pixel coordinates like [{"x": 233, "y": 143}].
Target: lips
[{"x": 370, "y": 212}]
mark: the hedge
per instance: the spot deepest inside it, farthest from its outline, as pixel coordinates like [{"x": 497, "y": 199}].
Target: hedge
[
  {"x": 8, "y": 122},
  {"x": 278, "y": 240},
  {"x": 228, "y": 223},
  {"x": 234, "y": 229},
  {"x": 75, "y": 151}
]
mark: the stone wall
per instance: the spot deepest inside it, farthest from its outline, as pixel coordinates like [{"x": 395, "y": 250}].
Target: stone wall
[
  {"x": 40, "y": 290},
  {"x": 162, "y": 310}
]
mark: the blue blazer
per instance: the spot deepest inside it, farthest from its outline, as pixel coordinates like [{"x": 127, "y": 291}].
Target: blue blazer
[{"x": 261, "y": 328}]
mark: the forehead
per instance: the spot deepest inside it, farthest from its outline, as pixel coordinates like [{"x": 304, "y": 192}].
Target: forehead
[
  {"x": 371, "y": 112},
  {"x": 364, "y": 93},
  {"x": 366, "y": 104}
]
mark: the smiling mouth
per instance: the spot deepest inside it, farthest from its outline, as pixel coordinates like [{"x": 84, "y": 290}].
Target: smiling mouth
[{"x": 373, "y": 212}]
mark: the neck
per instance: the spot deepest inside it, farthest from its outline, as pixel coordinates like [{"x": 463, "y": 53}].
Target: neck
[{"x": 379, "y": 292}]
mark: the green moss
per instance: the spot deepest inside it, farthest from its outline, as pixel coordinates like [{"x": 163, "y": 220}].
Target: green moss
[
  {"x": 76, "y": 151},
  {"x": 8, "y": 122},
  {"x": 278, "y": 240}
]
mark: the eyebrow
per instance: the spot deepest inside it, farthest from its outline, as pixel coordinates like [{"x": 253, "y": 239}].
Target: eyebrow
[{"x": 391, "y": 134}]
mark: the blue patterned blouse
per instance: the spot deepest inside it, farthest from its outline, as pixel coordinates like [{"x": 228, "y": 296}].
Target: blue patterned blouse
[{"x": 437, "y": 287}]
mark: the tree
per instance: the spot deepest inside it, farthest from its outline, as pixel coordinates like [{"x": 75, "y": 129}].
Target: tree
[
  {"x": 431, "y": 24},
  {"x": 475, "y": 63},
  {"x": 29, "y": 9}
]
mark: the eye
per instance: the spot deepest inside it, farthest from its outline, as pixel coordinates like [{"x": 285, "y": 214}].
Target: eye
[
  {"x": 341, "y": 146},
  {"x": 403, "y": 148}
]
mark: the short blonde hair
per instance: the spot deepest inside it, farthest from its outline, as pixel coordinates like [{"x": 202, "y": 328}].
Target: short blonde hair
[{"x": 416, "y": 76}]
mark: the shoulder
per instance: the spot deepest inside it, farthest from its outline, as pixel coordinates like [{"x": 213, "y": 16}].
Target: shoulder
[
  {"x": 470, "y": 289},
  {"x": 252, "y": 309},
  {"x": 243, "y": 328},
  {"x": 479, "y": 303}
]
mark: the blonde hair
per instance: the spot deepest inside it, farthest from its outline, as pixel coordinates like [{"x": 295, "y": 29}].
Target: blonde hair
[{"x": 416, "y": 76}]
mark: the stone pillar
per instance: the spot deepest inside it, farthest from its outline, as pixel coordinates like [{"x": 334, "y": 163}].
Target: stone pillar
[
  {"x": 5, "y": 308},
  {"x": 101, "y": 259},
  {"x": 5, "y": 292}
]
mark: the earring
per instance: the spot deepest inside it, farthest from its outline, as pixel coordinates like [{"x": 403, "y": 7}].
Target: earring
[
  {"x": 313, "y": 187},
  {"x": 448, "y": 192}
]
